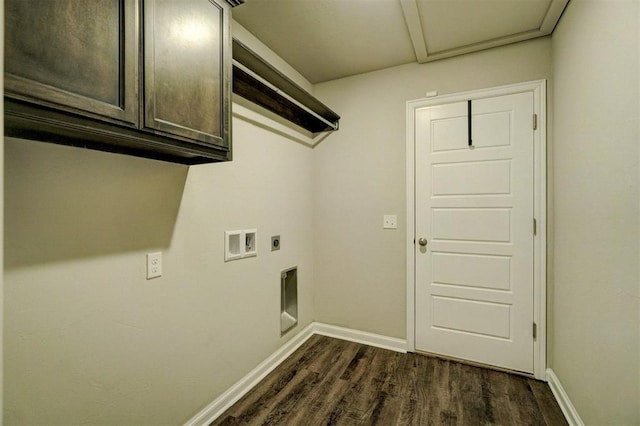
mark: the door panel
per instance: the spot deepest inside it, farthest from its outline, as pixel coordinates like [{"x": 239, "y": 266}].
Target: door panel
[
  {"x": 474, "y": 279},
  {"x": 483, "y": 178},
  {"x": 492, "y": 272},
  {"x": 483, "y": 318},
  {"x": 449, "y": 133},
  {"x": 492, "y": 129},
  {"x": 486, "y": 225}
]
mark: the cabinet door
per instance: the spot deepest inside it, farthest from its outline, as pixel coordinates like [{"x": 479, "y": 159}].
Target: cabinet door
[
  {"x": 78, "y": 56},
  {"x": 187, "y": 69}
]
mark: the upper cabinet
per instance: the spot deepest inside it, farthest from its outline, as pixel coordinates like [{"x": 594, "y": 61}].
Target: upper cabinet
[
  {"x": 55, "y": 56},
  {"x": 149, "y": 78},
  {"x": 185, "y": 69}
]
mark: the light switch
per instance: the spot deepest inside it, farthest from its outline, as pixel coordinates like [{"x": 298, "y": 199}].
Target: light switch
[{"x": 390, "y": 221}]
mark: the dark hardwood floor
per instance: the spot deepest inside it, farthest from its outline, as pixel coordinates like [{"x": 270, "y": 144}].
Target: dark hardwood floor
[{"x": 334, "y": 382}]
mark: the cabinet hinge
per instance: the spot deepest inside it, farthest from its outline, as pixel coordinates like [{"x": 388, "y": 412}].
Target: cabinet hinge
[
  {"x": 535, "y": 121},
  {"x": 535, "y": 330},
  {"x": 535, "y": 226}
]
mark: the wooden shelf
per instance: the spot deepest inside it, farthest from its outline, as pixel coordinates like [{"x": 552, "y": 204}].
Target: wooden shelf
[{"x": 259, "y": 82}]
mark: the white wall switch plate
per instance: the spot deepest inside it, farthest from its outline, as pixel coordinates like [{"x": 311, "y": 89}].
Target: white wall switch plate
[
  {"x": 390, "y": 221},
  {"x": 154, "y": 265}
]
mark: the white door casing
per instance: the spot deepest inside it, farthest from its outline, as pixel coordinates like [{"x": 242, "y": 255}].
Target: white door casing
[{"x": 475, "y": 291}]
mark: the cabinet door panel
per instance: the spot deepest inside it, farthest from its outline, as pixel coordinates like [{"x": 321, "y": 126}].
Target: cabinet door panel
[
  {"x": 187, "y": 69},
  {"x": 77, "y": 55}
]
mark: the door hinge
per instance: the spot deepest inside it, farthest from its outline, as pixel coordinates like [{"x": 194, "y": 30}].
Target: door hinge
[
  {"x": 535, "y": 330},
  {"x": 535, "y": 226},
  {"x": 535, "y": 121}
]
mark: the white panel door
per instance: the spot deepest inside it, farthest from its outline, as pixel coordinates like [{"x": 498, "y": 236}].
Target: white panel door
[{"x": 474, "y": 208}]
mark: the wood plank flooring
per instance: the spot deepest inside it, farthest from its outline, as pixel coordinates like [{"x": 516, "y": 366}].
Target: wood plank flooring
[{"x": 334, "y": 382}]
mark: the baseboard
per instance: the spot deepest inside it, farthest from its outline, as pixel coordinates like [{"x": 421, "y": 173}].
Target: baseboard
[
  {"x": 357, "y": 336},
  {"x": 569, "y": 411},
  {"x": 244, "y": 385}
]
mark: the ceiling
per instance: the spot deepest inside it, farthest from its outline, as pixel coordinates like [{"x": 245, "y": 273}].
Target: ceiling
[{"x": 329, "y": 39}]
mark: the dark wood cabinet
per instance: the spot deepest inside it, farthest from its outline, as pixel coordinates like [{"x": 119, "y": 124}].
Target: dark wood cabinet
[
  {"x": 182, "y": 43},
  {"x": 150, "y": 78},
  {"x": 81, "y": 56}
]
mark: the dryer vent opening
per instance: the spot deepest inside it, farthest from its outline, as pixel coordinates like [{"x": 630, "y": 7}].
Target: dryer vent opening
[{"x": 288, "y": 299}]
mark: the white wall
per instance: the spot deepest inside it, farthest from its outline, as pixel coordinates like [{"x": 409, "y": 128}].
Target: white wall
[
  {"x": 88, "y": 339},
  {"x": 597, "y": 289},
  {"x": 359, "y": 175}
]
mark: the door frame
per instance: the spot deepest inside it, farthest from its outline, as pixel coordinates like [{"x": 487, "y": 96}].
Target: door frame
[{"x": 538, "y": 88}]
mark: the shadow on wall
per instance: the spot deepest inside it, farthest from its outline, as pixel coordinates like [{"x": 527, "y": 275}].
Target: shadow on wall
[{"x": 68, "y": 203}]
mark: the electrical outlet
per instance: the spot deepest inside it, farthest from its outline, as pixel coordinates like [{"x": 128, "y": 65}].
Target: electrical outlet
[
  {"x": 154, "y": 265},
  {"x": 275, "y": 243},
  {"x": 390, "y": 221}
]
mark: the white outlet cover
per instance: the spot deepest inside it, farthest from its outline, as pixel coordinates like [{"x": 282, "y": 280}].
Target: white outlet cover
[
  {"x": 390, "y": 221},
  {"x": 154, "y": 265}
]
